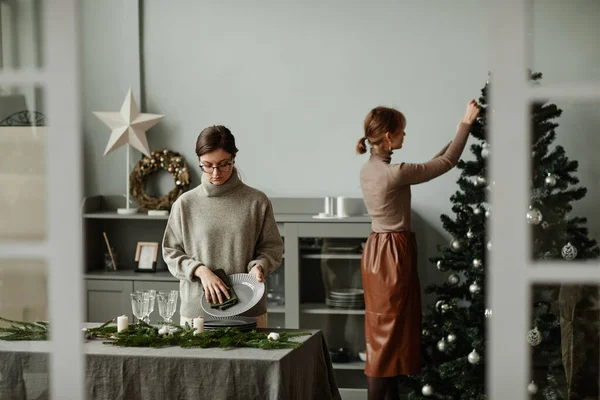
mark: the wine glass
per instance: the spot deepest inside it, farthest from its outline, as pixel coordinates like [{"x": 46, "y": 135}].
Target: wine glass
[
  {"x": 174, "y": 294},
  {"x": 167, "y": 304},
  {"x": 151, "y": 301},
  {"x": 138, "y": 305}
]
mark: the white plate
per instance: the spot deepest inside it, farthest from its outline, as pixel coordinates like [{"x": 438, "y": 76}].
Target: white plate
[
  {"x": 233, "y": 321},
  {"x": 325, "y": 216},
  {"x": 347, "y": 292},
  {"x": 345, "y": 303},
  {"x": 342, "y": 248},
  {"x": 249, "y": 292},
  {"x": 347, "y": 296}
]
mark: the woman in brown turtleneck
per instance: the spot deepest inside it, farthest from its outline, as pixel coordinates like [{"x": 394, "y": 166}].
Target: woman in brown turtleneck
[{"x": 389, "y": 262}]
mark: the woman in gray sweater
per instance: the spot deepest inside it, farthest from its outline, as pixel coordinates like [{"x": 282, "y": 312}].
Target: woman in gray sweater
[{"x": 221, "y": 224}]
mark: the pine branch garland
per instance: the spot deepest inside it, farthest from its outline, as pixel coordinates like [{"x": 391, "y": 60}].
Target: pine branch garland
[
  {"x": 146, "y": 335},
  {"x": 19, "y": 330}
]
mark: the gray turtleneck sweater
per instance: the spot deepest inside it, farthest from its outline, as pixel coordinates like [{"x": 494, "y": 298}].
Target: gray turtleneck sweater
[{"x": 229, "y": 226}]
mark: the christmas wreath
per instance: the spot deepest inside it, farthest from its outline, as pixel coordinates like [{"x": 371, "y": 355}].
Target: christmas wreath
[{"x": 167, "y": 160}]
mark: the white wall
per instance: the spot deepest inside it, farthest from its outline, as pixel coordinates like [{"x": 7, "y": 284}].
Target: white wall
[
  {"x": 294, "y": 80},
  {"x": 110, "y": 66},
  {"x": 565, "y": 48},
  {"x": 20, "y": 47}
]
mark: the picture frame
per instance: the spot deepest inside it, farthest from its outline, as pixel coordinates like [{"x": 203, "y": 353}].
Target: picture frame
[{"x": 146, "y": 255}]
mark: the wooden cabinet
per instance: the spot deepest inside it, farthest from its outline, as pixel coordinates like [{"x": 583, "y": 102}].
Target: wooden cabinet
[{"x": 107, "y": 299}]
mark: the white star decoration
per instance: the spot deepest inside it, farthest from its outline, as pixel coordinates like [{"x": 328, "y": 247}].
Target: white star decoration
[{"x": 128, "y": 126}]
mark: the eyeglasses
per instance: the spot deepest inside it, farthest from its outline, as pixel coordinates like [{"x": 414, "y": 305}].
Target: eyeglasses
[{"x": 221, "y": 168}]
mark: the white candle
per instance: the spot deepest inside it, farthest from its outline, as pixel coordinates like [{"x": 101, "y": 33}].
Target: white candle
[
  {"x": 341, "y": 207},
  {"x": 199, "y": 324},
  {"x": 122, "y": 323}
]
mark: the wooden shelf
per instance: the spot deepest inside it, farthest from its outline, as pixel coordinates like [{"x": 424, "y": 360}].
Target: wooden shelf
[
  {"x": 319, "y": 308},
  {"x": 114, "y": 215},
  {"x": 303, "y": 218},
  {"x": 359, "y": 365},
  {"x": 130, "y": 275}
]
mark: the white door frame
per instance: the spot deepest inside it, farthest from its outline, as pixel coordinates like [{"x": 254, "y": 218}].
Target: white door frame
[
  {"x": 62, "y": 250},
  {"x": 512, "y": 272}
]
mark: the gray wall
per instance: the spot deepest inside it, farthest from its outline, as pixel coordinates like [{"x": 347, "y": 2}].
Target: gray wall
[{"x": 294, "y": 80}]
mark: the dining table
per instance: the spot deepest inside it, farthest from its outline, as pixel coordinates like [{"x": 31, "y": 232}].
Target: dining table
[{"x": 129, "y": 373}]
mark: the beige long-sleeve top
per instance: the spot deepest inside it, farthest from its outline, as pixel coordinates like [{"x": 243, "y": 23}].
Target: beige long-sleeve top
[
  {"x": 386, "y": 187},
  {"x": 229, "y": 226}
]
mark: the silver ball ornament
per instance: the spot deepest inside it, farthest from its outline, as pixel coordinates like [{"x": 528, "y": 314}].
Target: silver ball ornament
[
  {"x": 474, "y": 288},
  {"x": 470, "y": 234},
  {"x": 550, "y": 180},
  {"x": 476, "y": 263},
  {"x": 569, "y": 252},
  {"x": 439, "y": 304},
  {"x": 427, "y": 390},
  {"x": 488, "y": 213},
  {"x": 485, "y": 151},
  {"x": 451, "y": 337},
  {"x": 441, "y": 345},
  {"x": 440, "y": 266},
  {"x": 473, "y": 357},
  {"x": 534, "y": 337},
  {"x": 534, "y": 216},
  {"x": 488, "y": 313},
  {"x": 456, "y": 245},
  {"x": 453, "y": 279},
  {"x": 477, "y": 211},
  {"x": 425, "y": 332},
  {"x": 489, "y": 245},
  {"x": 532, "y": 388},
  {"x": 481, "y": 181},
  {"x": 545, "y": 225}
]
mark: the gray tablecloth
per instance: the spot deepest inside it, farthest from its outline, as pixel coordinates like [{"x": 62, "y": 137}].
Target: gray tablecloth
[{"x": 176, "y": 373}]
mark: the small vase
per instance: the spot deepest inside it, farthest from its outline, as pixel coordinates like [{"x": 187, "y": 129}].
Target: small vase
[{"x": 108, "y": 264}]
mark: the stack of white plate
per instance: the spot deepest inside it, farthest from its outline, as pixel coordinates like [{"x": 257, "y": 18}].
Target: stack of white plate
[
  {"x": 346, "y": 298},
  {"x": 242, "y": 323}
]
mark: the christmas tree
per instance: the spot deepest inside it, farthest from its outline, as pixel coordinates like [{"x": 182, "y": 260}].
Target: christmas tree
[{"x": 454, "y": 343}]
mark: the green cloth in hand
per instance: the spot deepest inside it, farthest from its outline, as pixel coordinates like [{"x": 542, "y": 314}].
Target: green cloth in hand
[{"x": 232, "y": 295}]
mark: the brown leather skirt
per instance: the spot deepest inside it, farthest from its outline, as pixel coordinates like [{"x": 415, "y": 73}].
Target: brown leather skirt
[{"x": 393, "y": 304}]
